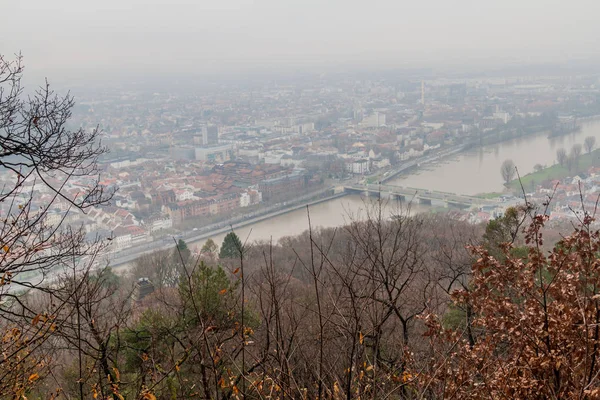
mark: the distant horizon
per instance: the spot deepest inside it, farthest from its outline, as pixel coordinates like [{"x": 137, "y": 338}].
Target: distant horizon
[
  {"x": 123, "y": 39},
  {"x": 257, "y": 74}
]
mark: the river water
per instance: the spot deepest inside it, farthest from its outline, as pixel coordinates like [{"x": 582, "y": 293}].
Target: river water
[
  {"x": 328, "y": 214},
  {"x": 478, "y": 171},
  {"x": 473, "y": 172}
]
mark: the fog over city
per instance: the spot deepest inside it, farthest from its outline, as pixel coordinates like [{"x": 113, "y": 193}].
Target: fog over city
[{"x": 73, "y": 37}]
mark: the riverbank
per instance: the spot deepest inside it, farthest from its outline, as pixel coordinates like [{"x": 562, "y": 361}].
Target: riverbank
[
  {"x": 194, "y": 237},
  {"x": 556, "y": 172}
]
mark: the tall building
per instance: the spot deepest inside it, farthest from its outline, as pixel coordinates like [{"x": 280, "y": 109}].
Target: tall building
[
  {"x": 375, "y": 120},
  {"x": 210, "y": 135}
]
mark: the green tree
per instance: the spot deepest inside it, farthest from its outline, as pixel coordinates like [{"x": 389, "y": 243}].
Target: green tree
[
  {"x": 502, "y": 230},
  {"x": 182, "y": 252},
  {"x": 232, "y": 246},
  {"x": 208, "y": 296}
]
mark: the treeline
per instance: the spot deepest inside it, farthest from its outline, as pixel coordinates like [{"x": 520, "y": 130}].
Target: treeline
[{"x": 412, "y": 307}]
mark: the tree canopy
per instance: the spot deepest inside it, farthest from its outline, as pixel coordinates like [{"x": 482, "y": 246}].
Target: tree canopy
[{"x": 232, "y": 247}]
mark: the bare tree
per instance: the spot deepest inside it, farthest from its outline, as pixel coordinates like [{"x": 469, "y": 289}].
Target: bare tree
[
  {"x": 39, "y": 153},
  {"x": 561, "y": 156},
  {"x": 161, "y": 267},
  {"x": 573, "y": 159},
  {"x": 95, "y": 310},
  {"x": 507, "y": 170},
  {"x": 576, "y": 150},
  {"x": 589, "y": 143}
]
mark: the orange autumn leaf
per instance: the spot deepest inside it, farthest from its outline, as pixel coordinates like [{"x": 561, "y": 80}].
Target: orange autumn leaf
[
  {"x": 223, "y": 291},
  {"x": 117, "y": 374},
  {"x": 33, "y": 377}
]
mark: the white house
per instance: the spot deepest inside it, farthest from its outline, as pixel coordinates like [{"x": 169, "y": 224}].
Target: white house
[
  {"x": 380, "y": 162},
  {"x": 358, "y": 167},
  {"x": 184, "y": 194},
  {"x": 160, "y": 222},
  {"x": 121, "y": 240}
]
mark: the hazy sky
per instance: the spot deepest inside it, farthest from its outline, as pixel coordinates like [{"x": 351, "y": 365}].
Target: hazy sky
[{"x": 132, "y": 36}]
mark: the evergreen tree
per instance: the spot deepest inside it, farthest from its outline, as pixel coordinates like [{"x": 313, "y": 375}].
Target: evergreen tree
[
  {"x": 232, "y": 246},
  {"x": 504, "y": 229},
  {"x": 182, "y": 251}
]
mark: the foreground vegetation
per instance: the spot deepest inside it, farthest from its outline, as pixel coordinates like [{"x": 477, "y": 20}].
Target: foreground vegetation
[{"x": 396, "y": 309}]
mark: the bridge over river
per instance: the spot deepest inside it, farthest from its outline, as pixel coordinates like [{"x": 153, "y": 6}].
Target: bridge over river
[{"x": 423, "y": 196}]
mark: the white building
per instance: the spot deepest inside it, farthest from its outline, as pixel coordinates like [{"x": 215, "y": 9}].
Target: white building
[
  {"x": 184, "y": 194},
  {"x": 220, "y": 153},
  {"x": 305, "y": 128},
  {"x": 250, "y": 197},
  {"x": 358, "y": 167},
  {"x": 159, "y": 223},
  {"x": 121, "y": 241},
  {"x": 380, "y": 162},
  {"x": 502, "y": 116},
  {"x": 374, "y": 120}
]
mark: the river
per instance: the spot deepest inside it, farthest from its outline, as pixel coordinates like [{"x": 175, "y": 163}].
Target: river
[
  {"x": 478, "y": 170},
  {"x": 473, "y": 172},
  {"x": 328, "y": 214}
]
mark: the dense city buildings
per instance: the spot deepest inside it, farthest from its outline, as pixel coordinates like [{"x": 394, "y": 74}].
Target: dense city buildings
[{"x": 184, "y": 159}]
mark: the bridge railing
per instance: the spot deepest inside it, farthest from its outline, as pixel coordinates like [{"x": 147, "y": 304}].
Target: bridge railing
[{"x": 435, "y": 194}]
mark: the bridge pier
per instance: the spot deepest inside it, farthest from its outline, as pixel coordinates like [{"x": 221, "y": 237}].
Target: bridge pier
[
  {"x": 461, "y": 206},
  {"x": 398, "y": 197},
  {"x": 369, "y": 193}
]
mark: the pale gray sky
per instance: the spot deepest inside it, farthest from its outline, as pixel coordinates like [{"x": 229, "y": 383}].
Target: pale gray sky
[{"x": 63, "y": 36}]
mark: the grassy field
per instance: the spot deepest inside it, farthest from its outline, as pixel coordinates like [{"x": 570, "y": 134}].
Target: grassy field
[
  {"x": 491, "y": 195},
  {"x": 556, "y": 172}
]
